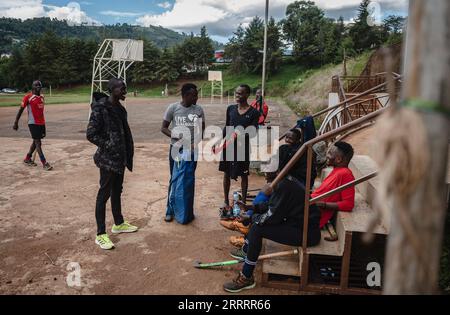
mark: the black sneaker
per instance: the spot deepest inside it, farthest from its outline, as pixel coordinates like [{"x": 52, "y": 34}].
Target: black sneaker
[
  {"x": 168, "y": 218},
  {"x": 239, "y": 284},
  {"x": 238, "y": 253},
  {"x": 47, "y": 167},
  {"x": 29, "y": 163},
  {"x": 226, "y": 213}
]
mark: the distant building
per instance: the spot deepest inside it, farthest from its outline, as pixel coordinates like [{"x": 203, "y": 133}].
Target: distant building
[
  {"x": 6, "y": 55},
  {"x": 218, "y": 55}
]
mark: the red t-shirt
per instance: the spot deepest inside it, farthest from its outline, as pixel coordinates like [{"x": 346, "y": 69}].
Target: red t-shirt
[
  {"x": 345, "y": 199},
  {"x": 35, "y": 108},
  {"x": 263, "y": 117}
]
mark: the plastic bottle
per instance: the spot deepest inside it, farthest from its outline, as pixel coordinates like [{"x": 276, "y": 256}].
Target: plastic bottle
[{"x": 236, "y": 209}]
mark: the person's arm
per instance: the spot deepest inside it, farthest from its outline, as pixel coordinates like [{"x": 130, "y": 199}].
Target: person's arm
[
  {"x": 95, "y": 127},
  {"x": 347, "y": 202},
  {"x": 21, "y": 109},
  {"x": 165, "y": 128},
  {"x": 274, "y": 211},
  {"x": 19, "y": 114}
]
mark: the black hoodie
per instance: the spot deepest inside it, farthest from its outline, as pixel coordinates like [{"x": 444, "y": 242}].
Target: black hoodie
[{"x": 108, "y": 129}]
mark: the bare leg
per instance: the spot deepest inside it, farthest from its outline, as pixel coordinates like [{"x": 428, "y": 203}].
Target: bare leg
[
  {"x": 244, "y": 188},
  {"x": 38, "y": 144},
  {"x": 226, "y": 188},
  {"x": 32, "y": 149}
]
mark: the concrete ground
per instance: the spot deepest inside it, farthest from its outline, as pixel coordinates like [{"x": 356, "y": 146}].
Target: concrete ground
[{"x": 47, "y": 218}]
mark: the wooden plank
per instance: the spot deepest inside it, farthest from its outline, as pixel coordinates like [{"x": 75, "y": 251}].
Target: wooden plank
[
  {"x": 288, "y": 265},
  {"x": 345, "y": 269}
]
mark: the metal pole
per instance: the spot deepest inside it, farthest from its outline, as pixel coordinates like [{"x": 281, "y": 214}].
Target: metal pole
[{"x": 263, "y": 85}]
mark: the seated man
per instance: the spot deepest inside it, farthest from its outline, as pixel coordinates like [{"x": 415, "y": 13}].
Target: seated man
[
  {"x": 339, "y": 156},
  {"x": 280, "y": 220}
]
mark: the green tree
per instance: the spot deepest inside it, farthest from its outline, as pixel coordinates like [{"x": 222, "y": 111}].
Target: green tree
[
  {"x": 316, "y": 40},
  {"x": 363, "y": 35},
  {"x": 168, "y": 70},
  {"x": 145, "y": 72},
  {"x": 245, "y": 48}
]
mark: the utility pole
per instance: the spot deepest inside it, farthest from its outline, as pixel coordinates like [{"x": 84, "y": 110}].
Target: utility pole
[
  {"x": 415, "y": 153},
  {"x": 266, "y": 21}
]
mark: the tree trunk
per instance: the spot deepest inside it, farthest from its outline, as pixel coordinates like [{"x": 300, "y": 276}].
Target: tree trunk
[{"x": 418, "y": 217}]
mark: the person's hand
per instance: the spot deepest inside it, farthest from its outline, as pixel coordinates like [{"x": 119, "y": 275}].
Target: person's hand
[
  {"x": 267, "y": 190},
  {"x": 16, "y": 126},
  {"x": 321, "y": 204},
  {"x": 244, "y": 219}
]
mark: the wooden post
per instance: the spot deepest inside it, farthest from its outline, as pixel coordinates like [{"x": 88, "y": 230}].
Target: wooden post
[{"x": 418, "y": 216}]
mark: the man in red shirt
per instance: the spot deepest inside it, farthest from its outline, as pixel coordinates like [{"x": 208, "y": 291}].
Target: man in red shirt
[
  {"x": 256, "y": 104},
  {"x": 338, "y": 157},
  {"x": 34, "y": 102}
]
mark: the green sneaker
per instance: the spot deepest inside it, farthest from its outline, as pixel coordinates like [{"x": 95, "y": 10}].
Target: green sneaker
[
  {"x": 124, "y": 228},
  {"x": 238, "y": 253},
  {"x": 104, "y": 242}
]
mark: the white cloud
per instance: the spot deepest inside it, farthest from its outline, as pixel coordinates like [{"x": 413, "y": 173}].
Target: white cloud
[
  {"x": 223, "y": 17},
  {"x": 72, "y": 13},
  {"x": 164, "y": 5},
  {"x": 28, "y": 9},
  {"x": 21, "y": 9},
  {"x": 120, "y": 14}
]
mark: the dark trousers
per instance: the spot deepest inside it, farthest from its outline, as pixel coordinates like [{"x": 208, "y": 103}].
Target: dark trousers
[
  {"x": 282, "y": 233},
  {"x": 171, "y": 163},
  {"x": 111, "y": 185}
]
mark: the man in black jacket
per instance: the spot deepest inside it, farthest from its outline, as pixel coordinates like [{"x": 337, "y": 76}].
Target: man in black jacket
[
  {"x": 280, "y": 220},
  {"x": 108, "y": 129}
]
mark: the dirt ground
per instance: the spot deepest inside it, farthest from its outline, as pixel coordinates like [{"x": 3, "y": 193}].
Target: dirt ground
[{"x": 47, "y": 218}]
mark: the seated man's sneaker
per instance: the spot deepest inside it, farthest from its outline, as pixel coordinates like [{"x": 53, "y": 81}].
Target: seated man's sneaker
[
  {"x": 104, "y": 242},
  {"x": 239, "y": 284},
  {"x": 238, "y": 253},
  {"x": 124, "y": 228},
  {"x": 168, "y": 218},
  {"x": 237, "y": 241}
]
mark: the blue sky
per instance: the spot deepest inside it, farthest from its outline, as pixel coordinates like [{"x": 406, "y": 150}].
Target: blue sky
[{"x": 221, "y": 17}]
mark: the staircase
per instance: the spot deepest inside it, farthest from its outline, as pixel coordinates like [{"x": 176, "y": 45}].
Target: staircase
[{"x": 350, "y": 115}]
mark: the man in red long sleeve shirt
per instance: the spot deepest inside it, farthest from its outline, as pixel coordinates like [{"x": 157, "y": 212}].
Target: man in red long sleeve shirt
[{"x": 339, "y": 157}]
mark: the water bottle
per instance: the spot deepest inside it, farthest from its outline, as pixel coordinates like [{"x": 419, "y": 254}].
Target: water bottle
[{"x": 236, "y": 209}]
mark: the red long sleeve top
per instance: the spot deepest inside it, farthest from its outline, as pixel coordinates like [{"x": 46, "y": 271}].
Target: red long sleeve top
[
  {"x": 345, "y": 199},
  {"x": 265, "y": 112}
]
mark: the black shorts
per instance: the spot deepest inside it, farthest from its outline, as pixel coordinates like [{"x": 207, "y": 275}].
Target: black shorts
[
  {"x": 37, "y": 131},
  {"x": 235, "y": 169}
]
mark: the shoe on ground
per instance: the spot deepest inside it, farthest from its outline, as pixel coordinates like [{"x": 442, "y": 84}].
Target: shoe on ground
[
  {"x": 226, "y": 213},
  {"x": 237, "y": 241},
  {"x": 124, "y": 228},
  {"x": 29, "y": 163},
  {"x": 238, "y": 253},
  {"x": 104, "y": 242},
  {"x": 239, "y": 284},
  {"x": 168, "y": 218},
  {"x": 47, "y": 167}
]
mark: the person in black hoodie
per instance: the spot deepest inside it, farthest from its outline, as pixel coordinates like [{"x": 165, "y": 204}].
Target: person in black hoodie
[
  {"x": 108, "y": 129},
  {"x": 280, "y": 220}
]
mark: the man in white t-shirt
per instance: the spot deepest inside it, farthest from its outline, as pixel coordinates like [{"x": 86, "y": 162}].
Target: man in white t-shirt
[{"x": 182, "y": 116}]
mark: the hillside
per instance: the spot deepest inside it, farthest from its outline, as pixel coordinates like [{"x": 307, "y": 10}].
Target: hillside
[{"x": 17, "y": 32}]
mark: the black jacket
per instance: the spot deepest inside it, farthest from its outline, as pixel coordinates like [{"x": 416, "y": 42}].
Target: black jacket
[
  {"x": 286, "y": 205},
  {"x": 108, "y": 129}
]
